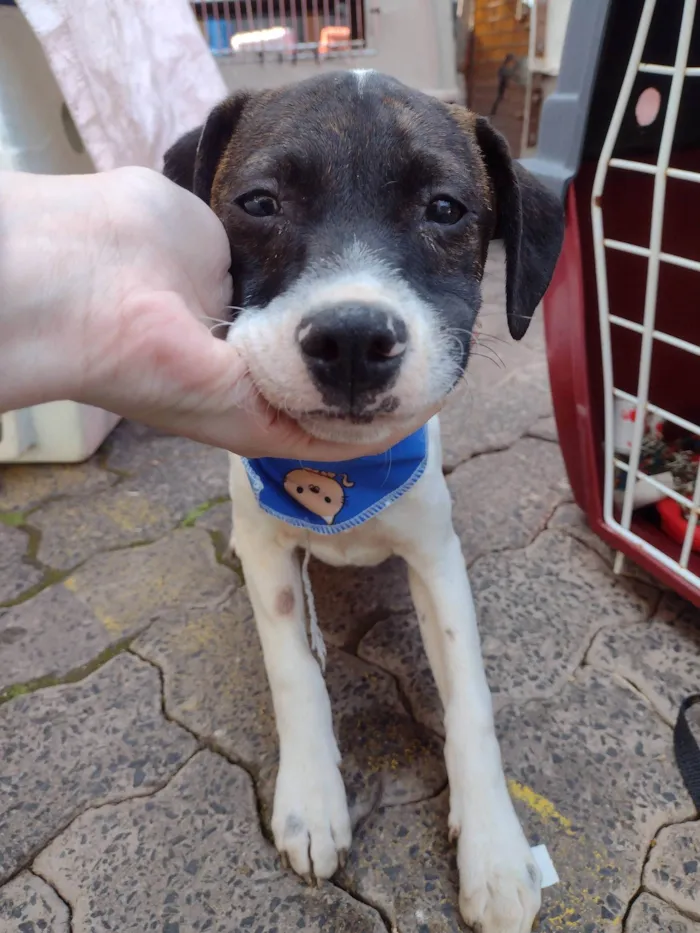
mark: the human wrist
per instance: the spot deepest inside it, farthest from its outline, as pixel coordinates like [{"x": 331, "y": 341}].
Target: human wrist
[{"x": 42, "y": 286}]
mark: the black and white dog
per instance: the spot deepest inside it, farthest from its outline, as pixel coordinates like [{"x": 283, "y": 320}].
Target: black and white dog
[{"x": 359, "y": 214}]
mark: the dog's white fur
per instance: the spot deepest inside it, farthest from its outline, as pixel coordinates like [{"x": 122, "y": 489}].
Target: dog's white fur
[
  {"x": 499, "y": 882},
  {"x": 268, "y": 340}
]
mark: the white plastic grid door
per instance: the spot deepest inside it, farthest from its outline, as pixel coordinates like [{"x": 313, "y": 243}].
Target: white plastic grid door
[{"x": 650, "y": 334}]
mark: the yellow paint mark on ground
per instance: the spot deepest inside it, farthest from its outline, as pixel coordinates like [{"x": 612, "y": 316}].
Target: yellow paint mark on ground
[
  {"x": 544, "y": 808},
  {"x": 111, "y": 624}
]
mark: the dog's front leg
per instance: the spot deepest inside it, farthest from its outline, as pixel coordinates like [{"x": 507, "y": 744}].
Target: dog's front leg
[
  {"x": 310, "y": 821},
  {"x": 499, "y": 881}
]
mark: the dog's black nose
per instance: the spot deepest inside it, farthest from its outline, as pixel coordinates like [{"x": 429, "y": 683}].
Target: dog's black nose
[{"x": 353, "y": 349}]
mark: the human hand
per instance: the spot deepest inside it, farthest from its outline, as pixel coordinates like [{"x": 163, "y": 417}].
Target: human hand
[{"x": 109, "y": 283}]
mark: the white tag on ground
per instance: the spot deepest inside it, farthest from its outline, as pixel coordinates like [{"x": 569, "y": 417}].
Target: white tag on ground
[{"x": 545, "y": 865}]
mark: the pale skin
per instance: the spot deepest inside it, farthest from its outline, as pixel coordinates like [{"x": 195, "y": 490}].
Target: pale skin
[{"x": 109, "y": 285}]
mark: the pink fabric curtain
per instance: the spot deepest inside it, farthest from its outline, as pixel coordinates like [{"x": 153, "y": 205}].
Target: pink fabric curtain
[{"x": 136, "y": 74}]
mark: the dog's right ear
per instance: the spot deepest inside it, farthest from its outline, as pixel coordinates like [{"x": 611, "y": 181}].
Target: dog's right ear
[{"x": 192, "y": 161}]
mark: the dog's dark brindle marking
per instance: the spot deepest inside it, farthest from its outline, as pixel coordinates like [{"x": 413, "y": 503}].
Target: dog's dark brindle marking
[{"x": 349, "y": 166}]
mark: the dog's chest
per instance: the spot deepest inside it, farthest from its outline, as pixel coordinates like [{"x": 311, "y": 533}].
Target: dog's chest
[{"x": 365, "y": 546}]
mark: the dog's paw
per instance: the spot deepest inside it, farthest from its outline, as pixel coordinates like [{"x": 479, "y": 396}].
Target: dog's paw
[
  {"x": 500, "y": 883},
  {"x": 310, "y": 820},
  {"x": 230, "y": 551}
]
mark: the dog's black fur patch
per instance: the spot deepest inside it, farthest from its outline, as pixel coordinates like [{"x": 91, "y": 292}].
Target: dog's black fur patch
[{"x": 361, "y": 163}]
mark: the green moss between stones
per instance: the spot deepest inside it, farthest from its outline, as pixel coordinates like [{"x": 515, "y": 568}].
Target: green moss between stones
[
  {"x": 191, "y": 518},
  {"x": 72, "y": 677},
  {"x": 12, "y": 519}
]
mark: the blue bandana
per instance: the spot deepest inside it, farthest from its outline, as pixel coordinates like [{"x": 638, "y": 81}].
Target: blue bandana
[{"x": 332, "y": 497}]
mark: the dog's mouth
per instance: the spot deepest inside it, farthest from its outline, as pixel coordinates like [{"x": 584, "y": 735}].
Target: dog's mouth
[{"x": 367, "y": 428}]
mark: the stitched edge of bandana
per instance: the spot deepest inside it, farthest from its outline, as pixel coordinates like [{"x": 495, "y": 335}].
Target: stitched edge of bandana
[{"x": 371, "y": 512}]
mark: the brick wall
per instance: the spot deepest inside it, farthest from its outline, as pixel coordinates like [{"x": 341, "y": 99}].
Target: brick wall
[{"x": 498, "y": 32}]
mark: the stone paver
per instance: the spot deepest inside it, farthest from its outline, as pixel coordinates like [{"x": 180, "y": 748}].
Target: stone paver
[
  {"x": 493, "y": 416},
  {"x": 180, "y": 473},
  {"x": 503, "y": 500},
  {"x": 23, "y": 487},
  {"x": 17, "y": 575},
  {"x": 51, "y": 635},
  {"x": 190, "y": 858},
  {"x": 350, "y": 600},
  {"x": 545, "y": 428},
  {"x": 30, "y": 905},
  {"x": 593, "y": 777},
  {"x": 166, "y": 479},
  {"x": 128, "y": 589},
  {"x": 673, "y": 870},
  {"x": 215, "y": 684},
  {"x": 650, "y": 915},
  {"x": 216, "y": 519},
  {"x": 534, "y": 631},
  {"x": 108, "y": 805},
  {"x": 569, "y": 518},
  {"x": 401, "y": 861},
  {"x": 73, "y": 529},
  {"x": 661, "y": 659},
  {"x": 70, "y": 747}
]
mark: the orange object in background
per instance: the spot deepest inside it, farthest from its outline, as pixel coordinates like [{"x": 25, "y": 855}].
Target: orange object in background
[{"x": 333, "y": 38}]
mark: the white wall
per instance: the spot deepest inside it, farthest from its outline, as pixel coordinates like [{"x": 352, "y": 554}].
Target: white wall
[{"x": 413, "y": 41}]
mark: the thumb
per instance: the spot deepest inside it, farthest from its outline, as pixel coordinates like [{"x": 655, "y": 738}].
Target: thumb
[{"x": 175, "y": 375}]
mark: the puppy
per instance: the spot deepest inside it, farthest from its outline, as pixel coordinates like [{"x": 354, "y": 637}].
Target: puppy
[{"x": 359, "y": 214}]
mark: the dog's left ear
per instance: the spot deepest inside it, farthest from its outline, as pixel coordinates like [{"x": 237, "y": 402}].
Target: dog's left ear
[
  {"x": 192, "y": 161},
  {"x": 529, "y": 220}
]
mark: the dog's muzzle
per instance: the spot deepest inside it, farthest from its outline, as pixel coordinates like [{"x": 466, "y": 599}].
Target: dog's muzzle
[{"x": 353, "y": 351}]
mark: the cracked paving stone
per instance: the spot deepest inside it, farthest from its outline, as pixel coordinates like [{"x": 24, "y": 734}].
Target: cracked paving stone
[
  {"x": 191, "y": 857},
  {"x": 215, "y": 684},
  {"x": 546, "y": 429},
  {"x": 176, "y": 472},
  {"x": 29, "y": 905},
  {"x": 74, "y": 529},
  {"x": 569, "y": 518},
  {"x": 650, "y": 915},
  {"x": 402, "y": 862},
  {"x": 16, "y": 574},
  {"x": 538, "y": 610},
  {"x": 504, "y": 500},
  {"x": 673, "y": 870},
  {"x": 74, "y": 746},
  {"x": 168, "y": 477},
  {"x": 24, "y": 486},
  {"x": 51, "y": 635},
  {"x": 217, "y": 519},
  {"x": 350, "y": 600},
  {"x": 593, "y": 777},
  {"x": 128, "y": 589},
  {"x": 661, "y": 658},
  {"x": 494, "y": 415}
]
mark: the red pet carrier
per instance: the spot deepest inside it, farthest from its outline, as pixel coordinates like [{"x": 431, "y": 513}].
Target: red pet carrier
[{"x": 620, "y": 140}]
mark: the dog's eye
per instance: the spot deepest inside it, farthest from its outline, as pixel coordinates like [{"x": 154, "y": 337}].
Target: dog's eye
[
  {"x": 300, "y": 489},
  {"x": 260, "y": 204},
  {"x": 328, "y": 499},
  {"x": 444, "y": 211}
]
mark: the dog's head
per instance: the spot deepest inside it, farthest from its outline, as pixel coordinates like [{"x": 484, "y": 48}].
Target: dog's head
[{"x": 359, "y": 214}]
